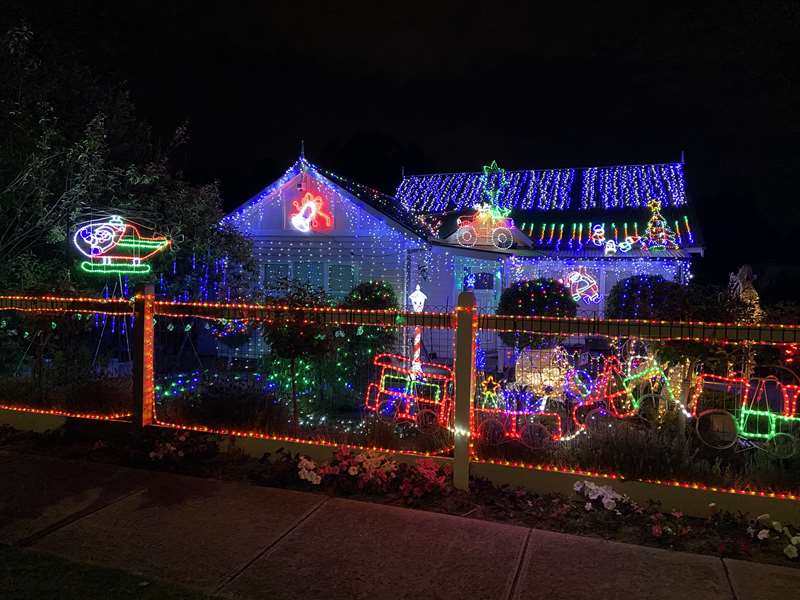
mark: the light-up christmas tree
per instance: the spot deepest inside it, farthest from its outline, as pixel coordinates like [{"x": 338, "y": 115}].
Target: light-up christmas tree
[{"x": 658, "y": 234}]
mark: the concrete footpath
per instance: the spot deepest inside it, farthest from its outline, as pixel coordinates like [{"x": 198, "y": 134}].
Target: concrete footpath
[{"x": 236, "y": 540}]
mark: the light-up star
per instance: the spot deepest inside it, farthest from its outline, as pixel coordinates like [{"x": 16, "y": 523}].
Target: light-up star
[
  {"x": 490, "y": 386},
  {"x": 500, "y": 182}
]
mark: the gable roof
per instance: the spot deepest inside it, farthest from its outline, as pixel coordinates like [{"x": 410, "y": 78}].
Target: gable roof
[
  {"x": 605, "y": 188},
  {"x": 373, "y": 200}
]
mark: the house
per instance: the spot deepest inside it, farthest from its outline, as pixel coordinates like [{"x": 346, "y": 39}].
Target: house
[
  {"x": 319, "y": 228},
  {"x": 588, "y": 228}
]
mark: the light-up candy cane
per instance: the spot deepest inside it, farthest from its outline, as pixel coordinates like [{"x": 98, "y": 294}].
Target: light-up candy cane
[{"x": 417, "y": 298}]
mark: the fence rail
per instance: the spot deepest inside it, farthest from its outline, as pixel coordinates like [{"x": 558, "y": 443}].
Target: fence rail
[
  {"x": 655, "y": 330},
  {"x": 728, "y": 333}
]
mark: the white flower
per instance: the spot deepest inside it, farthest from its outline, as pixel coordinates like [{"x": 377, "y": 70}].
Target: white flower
[
  {"x": 353, "y": 470},
  {"x": 762, "y": 518},
  {"x": 578, "y": 486},
  {"x": 763, "y": 534},
  {"x": 795, "y": 540},
  {"x": 777, "y": 526},
  {"x": 588, "y": 506},
  {"x": 790, "y": 551},
  {"x": 609, "y": 504}
]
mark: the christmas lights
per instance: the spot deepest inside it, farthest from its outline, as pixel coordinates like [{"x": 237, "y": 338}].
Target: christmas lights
[
  {"x": 418, "y": 304},
  {"x": 424, "y": 397},
  {"x": 782, "y": 495},
  {"x": 550, "y": 189},
  {"x": 658, "y": 235},
  {"x": 312, "y": 213},
  {"x": 583, "y": 286},
  {"x": 720, "y": 424},
  {"x": 489, "y": 226},
  {"x": 115, "y": 246},
  {"x": 67, "y": 413}
]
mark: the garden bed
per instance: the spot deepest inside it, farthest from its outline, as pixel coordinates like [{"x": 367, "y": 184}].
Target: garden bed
[{"x": 593, "y": 510}]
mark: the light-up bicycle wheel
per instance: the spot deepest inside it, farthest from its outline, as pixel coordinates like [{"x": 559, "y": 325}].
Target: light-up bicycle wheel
[{"x": 716, "y": 428}]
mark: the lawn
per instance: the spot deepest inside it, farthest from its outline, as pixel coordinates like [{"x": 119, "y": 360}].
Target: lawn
[{"x": 28, "y": 575}]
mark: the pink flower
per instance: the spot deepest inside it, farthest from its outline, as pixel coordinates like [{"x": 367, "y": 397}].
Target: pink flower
[{"x": 656, "y": 530}]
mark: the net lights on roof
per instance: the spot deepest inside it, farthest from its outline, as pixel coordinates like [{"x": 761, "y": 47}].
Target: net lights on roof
[{"x": 630, "y": 186}]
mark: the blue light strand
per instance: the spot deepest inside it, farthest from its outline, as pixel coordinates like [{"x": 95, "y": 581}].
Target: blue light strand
[{"x": 551, "y": 189}]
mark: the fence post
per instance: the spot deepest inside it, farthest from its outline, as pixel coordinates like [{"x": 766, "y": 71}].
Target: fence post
[
  {"x": 143, "y": 392},
  {"x": 466, "y": 325}
]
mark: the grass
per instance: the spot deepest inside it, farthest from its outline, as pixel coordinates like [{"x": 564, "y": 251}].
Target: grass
[{"x": 28, "y": 575}]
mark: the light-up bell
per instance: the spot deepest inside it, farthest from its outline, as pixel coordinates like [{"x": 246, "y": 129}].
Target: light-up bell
[{"x": 311, "y": 214}]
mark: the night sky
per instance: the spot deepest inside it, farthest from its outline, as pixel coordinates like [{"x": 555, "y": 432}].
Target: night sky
[{"x": 375, "y": 86}]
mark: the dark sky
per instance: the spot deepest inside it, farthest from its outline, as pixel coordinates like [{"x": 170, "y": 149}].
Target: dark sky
[{"x": 436, "y": 86}]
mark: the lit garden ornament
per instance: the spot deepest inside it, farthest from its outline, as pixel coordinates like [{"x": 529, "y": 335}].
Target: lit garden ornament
[
  {"x": 583, "y": 286},
  {"x": 311, "y": 214},
  {"x": 114, "y": 246},
  {"x": 417, "y": 298}
]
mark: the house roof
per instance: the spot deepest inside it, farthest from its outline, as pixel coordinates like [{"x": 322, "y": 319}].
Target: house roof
[
  {"x": 558, "y": 209},
  {"x": 378, "y": 201},
  {"x": 546, "y": 190}
]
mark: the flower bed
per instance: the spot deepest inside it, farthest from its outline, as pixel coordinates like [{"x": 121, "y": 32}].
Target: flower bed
[{"x": 593, "y": 509}]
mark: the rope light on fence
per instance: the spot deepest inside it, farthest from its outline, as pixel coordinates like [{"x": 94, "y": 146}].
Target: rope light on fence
[{"x": 619, "y": 477}]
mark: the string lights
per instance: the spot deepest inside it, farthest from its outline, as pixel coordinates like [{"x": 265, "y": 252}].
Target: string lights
[{"x": 550, "y": 189}]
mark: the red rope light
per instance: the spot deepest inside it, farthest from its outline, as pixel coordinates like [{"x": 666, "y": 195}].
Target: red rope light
[
  {"x": 66, "y": 413},
  {"x": 617, "y": 476},
  {"x": 287, "y": 438}
]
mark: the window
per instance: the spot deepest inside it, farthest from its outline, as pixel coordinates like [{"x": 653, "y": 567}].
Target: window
[
  {"x": 309, "y": 273},
  {"x": 341, "y": 279},
  {"x": 479, "y": 281},
  {"x": 275, "y": 276}
]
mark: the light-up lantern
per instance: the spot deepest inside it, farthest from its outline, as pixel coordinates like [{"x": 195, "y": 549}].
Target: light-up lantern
[{"x": 417, "y": 298}]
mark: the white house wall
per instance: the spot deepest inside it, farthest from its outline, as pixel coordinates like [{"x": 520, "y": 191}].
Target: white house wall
[{"x": 359, "y": 237}]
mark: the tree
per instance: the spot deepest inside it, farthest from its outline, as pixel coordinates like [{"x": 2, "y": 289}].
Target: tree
[
  {"x": 360, "y": 344},
  {"x": 539, "y": 297},
  {"x": 653, "y": 297},
  {"x": 292, "y": 338},
  {"x": 73, "y": 146},
  {"x": 646, "y": 297}
]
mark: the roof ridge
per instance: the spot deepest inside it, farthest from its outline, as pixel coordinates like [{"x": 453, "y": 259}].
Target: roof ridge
[{"x": 581, "y": 168}]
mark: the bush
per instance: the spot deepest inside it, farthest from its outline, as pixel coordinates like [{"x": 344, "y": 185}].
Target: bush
[
  {"x": 539, "y": 297},
  {"x": 646, "y": 297},
  {"x": 359, "y": 344}
]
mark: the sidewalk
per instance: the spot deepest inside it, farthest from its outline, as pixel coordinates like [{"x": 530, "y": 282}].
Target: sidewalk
[{"x": 243, "y": 541}]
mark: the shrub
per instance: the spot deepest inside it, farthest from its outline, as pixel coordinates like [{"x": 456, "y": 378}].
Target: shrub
[{"x": 539, "y": 297}]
